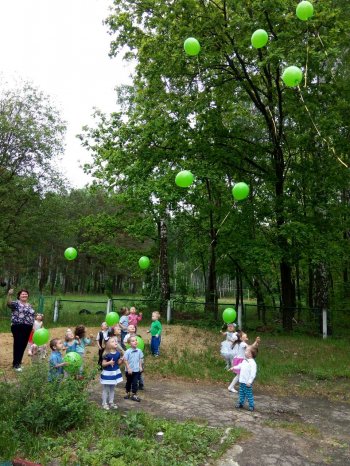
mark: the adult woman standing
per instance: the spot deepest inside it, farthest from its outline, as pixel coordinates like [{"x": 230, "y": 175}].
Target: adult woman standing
[{"x": 22, "y": 321}]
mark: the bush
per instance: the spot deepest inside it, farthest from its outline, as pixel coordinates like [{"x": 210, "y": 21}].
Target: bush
[{"x": 32, "y": 404}]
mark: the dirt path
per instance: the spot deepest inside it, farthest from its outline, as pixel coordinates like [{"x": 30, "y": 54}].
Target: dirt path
[{"x": 284, "y": 431}]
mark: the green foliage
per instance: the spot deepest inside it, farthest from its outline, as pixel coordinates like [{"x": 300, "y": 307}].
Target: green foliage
[{"x": 32, "y": 405}]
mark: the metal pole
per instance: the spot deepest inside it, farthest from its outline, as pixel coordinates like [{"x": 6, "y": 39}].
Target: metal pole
[
  {"x": 55, "y": 310},
  {"x": 324, "y": 323},
  {"x": 239, "y": 316},
  {"x": 168, "y": 312}
]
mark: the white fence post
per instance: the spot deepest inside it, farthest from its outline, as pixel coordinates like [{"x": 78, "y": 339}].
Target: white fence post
[
  {"x": 324, "y": 323},
  {"x": 168, "y": 312},
  {"x": 55, "y": 310},
  {"x": 239, "y": 316},
  {"x": 109, "y": 306}
]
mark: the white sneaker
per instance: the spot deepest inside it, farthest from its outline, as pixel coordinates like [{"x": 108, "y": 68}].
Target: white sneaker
[
  {"x": 113, "y": 406},
  {"x": 106, "y": 407},
  {"x": 18, "y": 369},
  {"x": 232, "y": 390}
]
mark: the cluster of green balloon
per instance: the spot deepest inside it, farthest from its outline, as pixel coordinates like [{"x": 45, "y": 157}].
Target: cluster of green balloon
[
  {"x": 240, "y": 191},
  {"x": 259, "y": 38},
  {"x": 70, "y": 254},
  {"x": 304, "y": 10},
  {"x": 192, "y": 46},
  {"x": 112, "y": 318},
  {"x": 292, "y": 76},
  {"x": 74, "y": 361},
  {"x": 229, "y": 315},
  {"x": 140, "y": 343},
  {"x": 184, "y": 179},
  {"x": 41, "y": 336},
  {"x": 144, "y": 262}
]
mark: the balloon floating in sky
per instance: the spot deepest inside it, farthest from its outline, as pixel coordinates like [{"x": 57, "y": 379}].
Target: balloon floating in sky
[
  {"x": 192, "y": 46},
  {"x": 70, "y": 254},
  {"x": 259, "y": 38},
  {"x": 112, "y": 318},
  {"x": 144, "y": 262},
  {"x": 184, "y": 179},
  {"x": 229, "y": 315},
  {"x": 292, "y": 76},
  {"x": 74, "y": 362},
  {"x": 304, "y": 10},
  {"x": 41, "y": 336},
  {"x": 240, "y": 191}
]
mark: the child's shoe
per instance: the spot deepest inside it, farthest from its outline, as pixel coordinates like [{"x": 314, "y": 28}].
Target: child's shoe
[
  {"x": 251, "y": 408},
  {"x": 239, "y": 406},
  {"x": 106, "y": 407},
  {"x": 113, "y": 406},
  {"x": 135, "y": 398}
]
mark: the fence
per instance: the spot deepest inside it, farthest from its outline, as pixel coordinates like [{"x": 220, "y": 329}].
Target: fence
[{"x": 92, "y": 312}]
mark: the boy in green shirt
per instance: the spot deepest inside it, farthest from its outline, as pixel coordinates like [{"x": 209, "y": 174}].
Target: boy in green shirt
[{"x": 155, "y": 331}]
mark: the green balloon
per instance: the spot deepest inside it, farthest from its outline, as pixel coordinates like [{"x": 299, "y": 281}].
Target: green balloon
[
  {"x": 70, "y": 254},
  {"x": 140, "y": 343},
  {"x": 240, "y": 191},
  {"x": 74, "y": 362},
  {"x": 259, "y": 38},
  {"x": 229, "y": 315},
  {"x": 41, "y": 336},
  {"x": 112, "y": 318},
  {"x": 292, "y": 76},
  {"x": 184, "y": 179},
  {"x": 304, "y": 10},
  {"x": 192, "y": 46},
  {"x": 144, "y": 262}
]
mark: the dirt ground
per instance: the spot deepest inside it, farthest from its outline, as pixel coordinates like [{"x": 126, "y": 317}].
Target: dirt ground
[{"x": 283, "y": 431}]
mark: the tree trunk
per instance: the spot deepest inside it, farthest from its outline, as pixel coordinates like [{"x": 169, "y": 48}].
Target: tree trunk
[
  {"x": 211, "y": 294},
  {"x": 164, "y": 279},
  {"x": 322, "y": 286}
]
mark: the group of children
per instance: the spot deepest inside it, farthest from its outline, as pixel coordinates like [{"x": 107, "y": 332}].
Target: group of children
[
  {"x": 116, "y": 345},
  {"x": 240, "y": 359}
]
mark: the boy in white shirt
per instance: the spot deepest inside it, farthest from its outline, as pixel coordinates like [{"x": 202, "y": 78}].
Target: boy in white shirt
[{"x": 246, "y": 377}]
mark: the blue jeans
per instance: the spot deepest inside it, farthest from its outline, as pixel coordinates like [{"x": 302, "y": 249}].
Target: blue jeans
[
  {"x": 155, "y": 344},
  {"x": 246, "y": 392}
]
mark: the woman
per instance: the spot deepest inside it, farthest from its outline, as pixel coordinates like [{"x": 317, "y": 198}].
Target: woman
[{"x": 22, "y": 321}]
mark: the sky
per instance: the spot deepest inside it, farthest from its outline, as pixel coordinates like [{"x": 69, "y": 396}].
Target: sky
[{"x": 62, "y": 47}]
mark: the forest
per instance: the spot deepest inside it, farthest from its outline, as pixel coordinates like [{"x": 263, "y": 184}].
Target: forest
[{"x": 224, "y": 114}]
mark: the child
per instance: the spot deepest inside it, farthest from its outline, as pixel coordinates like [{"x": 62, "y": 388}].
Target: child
[
  {"x": 102, "y": 338},
  {"x": 56, "y": 362},
  {"x": 111, "y": 374},
  {"x": 155, "y": 331},
  {"x": 82, "y": 342},
  {"x": 38, "y": 323},
  {"x": 123, "y": 323},
  {"x": 246, "y": 377},
  {"x": 133, "y": 364},
  {"x": 116, "y": 332},
  {"x": 239, "y": 348},
  {"x": 70, "y": 344},
  {"x": 230, "y": 333},
  {"x": 38, "y": 353},
  {"x": 134, "y": 318},
  {"x": 131, "y": 333},
  {"x": 227, "y": 353}
]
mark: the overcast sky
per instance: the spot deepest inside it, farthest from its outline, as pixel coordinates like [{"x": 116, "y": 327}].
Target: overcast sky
[{"x": 62, "y": 47}]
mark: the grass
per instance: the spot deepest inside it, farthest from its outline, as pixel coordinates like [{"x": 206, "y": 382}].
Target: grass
[
  {"x": 286, "y": 364},
  {"x": 298, "y": 428}
]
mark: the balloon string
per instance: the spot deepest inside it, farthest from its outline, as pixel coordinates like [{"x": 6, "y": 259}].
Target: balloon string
[
  {"x": 307, "y": 56},
  {"x": 221, "y": 224},
  {"x": 330, "y": 147}
]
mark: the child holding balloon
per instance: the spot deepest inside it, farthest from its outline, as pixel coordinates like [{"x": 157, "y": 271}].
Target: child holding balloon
[
  {"x": 56, "y": 363},
  {"x": 38, "y": 323},
  {"x": 111, "y": 374},
  {"x": 82, "y": 342}
]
